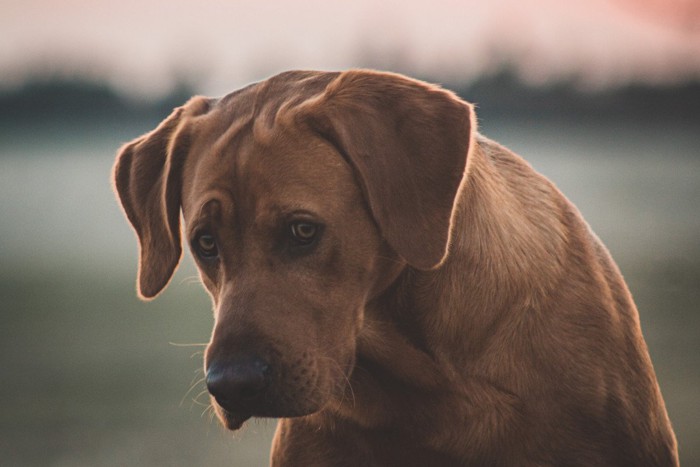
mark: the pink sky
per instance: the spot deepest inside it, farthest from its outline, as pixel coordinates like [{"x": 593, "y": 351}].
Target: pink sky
[{"x": 141, "y": 46}]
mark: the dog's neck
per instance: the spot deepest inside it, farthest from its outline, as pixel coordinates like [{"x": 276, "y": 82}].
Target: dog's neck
[{"x": 503, "y": 234}]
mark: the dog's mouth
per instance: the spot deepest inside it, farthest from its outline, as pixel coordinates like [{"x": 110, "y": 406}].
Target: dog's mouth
[
  {"x": 233, "y": 415},
  {"x": 232, "y": 421}
]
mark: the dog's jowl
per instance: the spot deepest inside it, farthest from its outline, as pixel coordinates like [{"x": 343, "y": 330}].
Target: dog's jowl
[{"x": 394, "y": 287}]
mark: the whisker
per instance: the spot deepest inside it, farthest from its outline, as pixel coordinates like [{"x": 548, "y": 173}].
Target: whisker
[
  {"x": 192, "y": 386},
  {"x": 201, "y": 352},
  {"x": 191, "y": 280},
  {"x": 210, "y": 410},
  {"x": 201, "y": 404}
]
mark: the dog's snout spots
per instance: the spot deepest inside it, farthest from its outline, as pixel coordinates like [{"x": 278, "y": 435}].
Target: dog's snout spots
[{"x": 238, "y": 382}]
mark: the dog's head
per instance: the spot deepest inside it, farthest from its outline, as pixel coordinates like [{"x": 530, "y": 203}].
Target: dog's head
[{"x": 302, "y": 196}]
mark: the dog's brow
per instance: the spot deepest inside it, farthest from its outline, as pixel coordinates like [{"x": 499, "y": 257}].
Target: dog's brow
[
  {"x": 297, "y": 210},
  {"x": 210, "y": 210}
]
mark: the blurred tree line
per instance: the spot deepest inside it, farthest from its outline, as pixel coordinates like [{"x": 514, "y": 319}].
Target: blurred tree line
[
  {"x": 502, "y": 95},
  {"x": 78, "y": 100}
]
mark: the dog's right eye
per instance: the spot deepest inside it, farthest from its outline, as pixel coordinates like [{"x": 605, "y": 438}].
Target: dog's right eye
[
  {"x": 205, "y": 246},
  {"x": 303, "y": 233}
]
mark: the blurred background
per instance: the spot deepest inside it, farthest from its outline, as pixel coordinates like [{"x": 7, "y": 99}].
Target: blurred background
[{"x": 602, "y": 96}]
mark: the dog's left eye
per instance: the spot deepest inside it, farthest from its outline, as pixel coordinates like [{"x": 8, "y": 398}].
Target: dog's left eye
[
  {"x": 303, "y": 233},
  {"x": 205, "y": 246}
]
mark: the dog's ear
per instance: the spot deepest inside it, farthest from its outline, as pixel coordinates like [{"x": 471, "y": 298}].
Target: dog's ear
[
  {"x": 408, "y": 142},
  {"x": 148, "y": 181}
]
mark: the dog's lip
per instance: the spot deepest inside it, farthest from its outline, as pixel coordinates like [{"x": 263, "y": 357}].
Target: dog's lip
[
  {"x": 232, "y": 417},
  {"x": 234, "y": 421}
]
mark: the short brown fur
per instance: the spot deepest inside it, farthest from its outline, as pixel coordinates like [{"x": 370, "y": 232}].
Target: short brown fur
[{"x": 454, "y": 310}]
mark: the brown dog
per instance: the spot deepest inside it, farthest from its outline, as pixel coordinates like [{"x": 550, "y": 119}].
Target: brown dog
[{"x": 397, "y": 288}]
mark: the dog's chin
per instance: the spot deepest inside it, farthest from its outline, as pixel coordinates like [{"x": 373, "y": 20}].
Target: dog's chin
[
  {"x": 232, "y": 421},
  {"x": 235, "y": 420}
]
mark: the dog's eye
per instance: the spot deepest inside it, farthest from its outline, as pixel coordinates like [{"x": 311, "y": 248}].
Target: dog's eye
[
  {"x": 205, "y": 246},
  {"x": 303, "y": 233}
]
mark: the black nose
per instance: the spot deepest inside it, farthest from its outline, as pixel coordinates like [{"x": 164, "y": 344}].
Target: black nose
[{"x": 237, "y": 382}]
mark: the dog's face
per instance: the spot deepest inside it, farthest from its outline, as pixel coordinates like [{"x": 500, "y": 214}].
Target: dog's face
[
  {"x": 289, "y": 253},
  {"x": 302, "y": 198}
]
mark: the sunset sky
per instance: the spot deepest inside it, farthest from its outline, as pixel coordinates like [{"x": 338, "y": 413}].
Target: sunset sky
[{"x": 144, "y": 46}]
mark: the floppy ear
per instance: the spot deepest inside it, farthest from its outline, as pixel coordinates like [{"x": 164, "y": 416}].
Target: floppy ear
[
  {"x": 408, "y": 142},
  {"x": 148, "y": 181}
]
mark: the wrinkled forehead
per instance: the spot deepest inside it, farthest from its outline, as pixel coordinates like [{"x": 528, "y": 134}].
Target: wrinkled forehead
[
  {"x": 289, "y": 165},
  {"x": 257, "y": 162}
]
